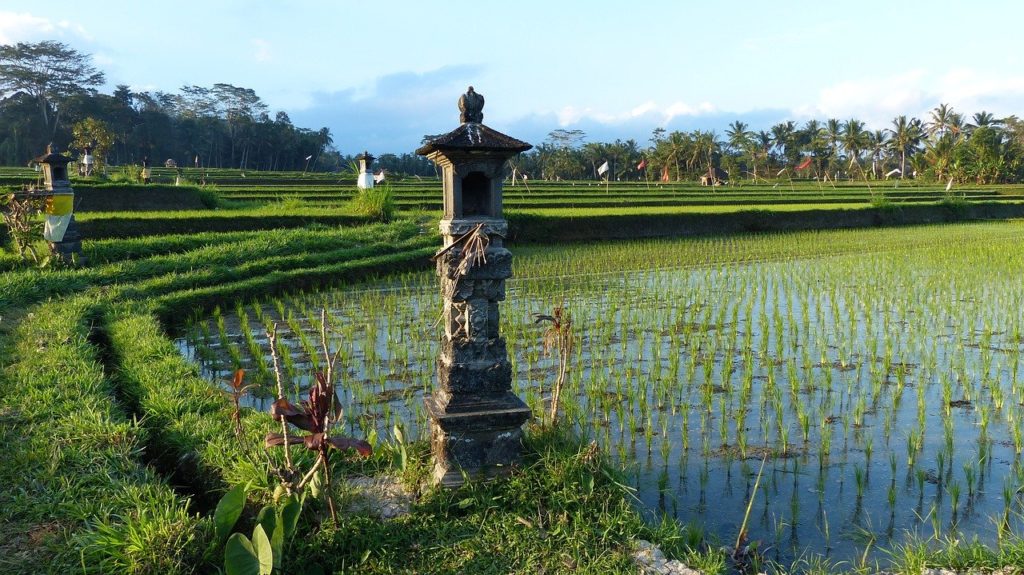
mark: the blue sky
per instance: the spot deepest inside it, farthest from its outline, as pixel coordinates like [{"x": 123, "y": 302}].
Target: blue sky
[{"x": 382, "y": 74}]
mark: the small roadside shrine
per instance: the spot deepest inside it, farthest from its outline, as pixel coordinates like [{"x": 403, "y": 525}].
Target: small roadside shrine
[
  {"x": 60, "y": 228},
  {"x": 475, "y": 419}
]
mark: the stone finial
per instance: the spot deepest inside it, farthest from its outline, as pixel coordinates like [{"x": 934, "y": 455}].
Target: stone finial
[{"x": 471, "y": 106}]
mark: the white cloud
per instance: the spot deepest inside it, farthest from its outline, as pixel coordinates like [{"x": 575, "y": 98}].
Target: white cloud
[
  {"x": 262, "y": 50},
  {"x": 684, "y": 109},
  {"x": 102, "y": 59},
  {"x": 877, "y": 100},
  {"x": 26, "y": 27},
  {"x": 570, "y": 115},
  {"x": 970, "y": 91}
]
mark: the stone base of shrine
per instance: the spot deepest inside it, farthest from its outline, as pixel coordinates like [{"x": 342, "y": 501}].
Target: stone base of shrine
[{"x": 481, "y": 443}]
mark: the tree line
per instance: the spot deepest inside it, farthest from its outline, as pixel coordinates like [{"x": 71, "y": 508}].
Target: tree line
[
  {"x": 48, "y": 93},
  {"x": 982, "y": 149}
]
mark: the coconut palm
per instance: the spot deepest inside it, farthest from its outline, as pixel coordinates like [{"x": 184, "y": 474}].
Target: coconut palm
[
  {"x": 878, "y": 141},
  {"x": 833, "y": 134},
  {"x": 706, "y": 147},
  {"x": 738, "y": 135},
  {"x": 906, "y": 136},
  {"x": 811, "y": 141},
  {"x": 671, "y": 151},
  {"x": 983, "y": 119},
  {"x": 939, "y": 152},
  {"x": 763, "y": 143},
  {"x": 942, "y": 119},
  {"x": 782, "y": 135},
  {"x": 741, "y": 142},
  {"x": 855, "y": 140}
]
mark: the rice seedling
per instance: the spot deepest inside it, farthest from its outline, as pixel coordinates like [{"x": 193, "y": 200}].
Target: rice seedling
[{"x": 814, "y": 356}]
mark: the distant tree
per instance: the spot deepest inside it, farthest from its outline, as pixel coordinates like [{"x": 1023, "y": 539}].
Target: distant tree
[
  {"x": 906, "y": 136},
  {"x": 877, "y": 143},
  {"x": 943, "y": 118},
  {"x": 94, "y": 134},
  {"x": 763, "y": 141},
  {"x": 939, "y": 154},
  {"x": 706, "y": 153},
  {"x": 673, "y": 152},
  {"x": 740, "y": 143},
  {"x": 562, "y": 138},
  {"x": 783, "y": 137},
  {"x": 833, "y": 135},
  {"x": 855, "y": 140},
  {"x": 48, "y": 72}
]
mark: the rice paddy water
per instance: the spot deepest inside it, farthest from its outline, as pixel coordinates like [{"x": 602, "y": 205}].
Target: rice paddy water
[{"x": 877, "y": 371}]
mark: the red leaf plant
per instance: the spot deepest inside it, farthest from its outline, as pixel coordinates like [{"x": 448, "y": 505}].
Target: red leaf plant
[{"x": 316, "y": 415}]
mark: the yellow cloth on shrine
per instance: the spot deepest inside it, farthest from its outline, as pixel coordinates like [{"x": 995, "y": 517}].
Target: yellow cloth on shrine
[{"x": 60, "y": 205}]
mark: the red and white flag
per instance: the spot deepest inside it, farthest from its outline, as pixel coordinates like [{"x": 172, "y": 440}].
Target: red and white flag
[
  {"x": 664, "y": 174},
  {"x": 642, "y": 164},
  {"x": 805, "y": 163}
]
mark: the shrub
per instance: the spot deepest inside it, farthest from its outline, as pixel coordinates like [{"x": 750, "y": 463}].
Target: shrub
[
  {"x": 127, "y": 174},
  {"x": 376, "y": 203}
]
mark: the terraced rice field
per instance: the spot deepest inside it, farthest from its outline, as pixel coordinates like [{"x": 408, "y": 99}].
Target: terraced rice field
[{"x": 875, "y": 372}]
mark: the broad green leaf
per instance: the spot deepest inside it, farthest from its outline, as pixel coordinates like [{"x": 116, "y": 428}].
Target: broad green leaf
[
  {"x": 229, "y": 509},
  {"x": 264, "y": 551},
  {"x": 270, "y": 519},
  {"x": 588, "y": 483},
  {"x": 240, "y": 557},
  {"x": 314, "y": 485},
  {"x": 291, "y": 509}
]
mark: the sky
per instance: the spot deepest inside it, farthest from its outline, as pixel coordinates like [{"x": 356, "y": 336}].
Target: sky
[{"x": 383, "y": 74}]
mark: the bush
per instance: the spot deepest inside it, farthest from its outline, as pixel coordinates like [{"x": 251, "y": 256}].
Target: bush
[
  {"x": 376, "y": 203},
  {"x": 129, "y": 174}
]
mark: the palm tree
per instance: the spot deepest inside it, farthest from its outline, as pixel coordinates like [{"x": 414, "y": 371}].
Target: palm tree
[
  {"x": 906, "y": 135},
  {"x": 671, "y": 151},
  {"x": 325, "y": 141},
  {"x": 782, "y": 134},
  {"x": 983, "y": 119},
  {"x": 942, "y": 120},
  {"x": 738, "y": 135},
  {"x": 811, "y": 141},
  {"x": 855, "y": 139},
  {"x": 706, "y": 147},
  {"x": 763, "y": 141},
  {"x": 833, "y": 134},
  {"x": 878, "y": 141},
  {"x": 939, "y": 152}
]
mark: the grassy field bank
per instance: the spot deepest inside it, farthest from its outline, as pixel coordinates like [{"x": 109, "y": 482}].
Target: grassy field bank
[{"x": 119, "y": 450}]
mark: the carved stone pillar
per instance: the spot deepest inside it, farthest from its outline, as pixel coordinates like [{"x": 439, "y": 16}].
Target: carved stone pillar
[{"x": 475, "y": 419}]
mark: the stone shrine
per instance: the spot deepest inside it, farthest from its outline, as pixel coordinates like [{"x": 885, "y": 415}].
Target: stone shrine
[
  {"x": 475, "y": 419},
  {"x": 365, "y": 179},
  {"x": 60, "y": 228}
]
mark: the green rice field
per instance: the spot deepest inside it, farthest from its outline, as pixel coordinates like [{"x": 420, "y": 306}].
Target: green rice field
[{"x": 875, "y": 373}]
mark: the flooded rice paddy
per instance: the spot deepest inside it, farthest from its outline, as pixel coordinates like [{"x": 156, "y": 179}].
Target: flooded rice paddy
[{"x": 878, "y": 376}]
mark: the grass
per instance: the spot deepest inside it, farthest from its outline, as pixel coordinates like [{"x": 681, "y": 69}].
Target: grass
[
  {"x": 656, "y": 346},
  {"x": 140, "y": 503},
  {"x": 117, "y": 449},
  {"x": 78, "y": 495},
  {"x": 562, "y": 512}
]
